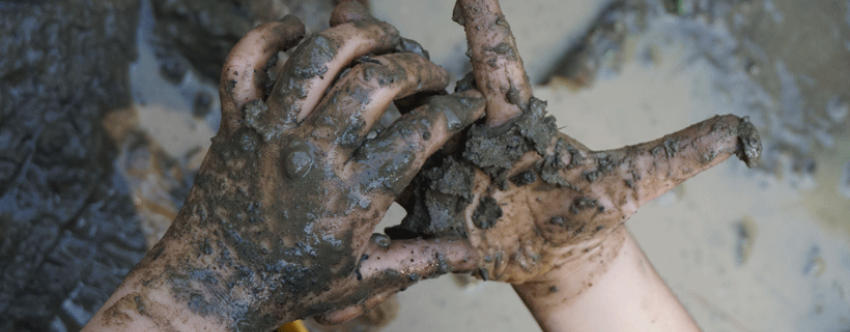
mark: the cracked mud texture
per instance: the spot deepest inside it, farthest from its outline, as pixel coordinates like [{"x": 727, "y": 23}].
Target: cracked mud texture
[{"x": 70, "y": 233}]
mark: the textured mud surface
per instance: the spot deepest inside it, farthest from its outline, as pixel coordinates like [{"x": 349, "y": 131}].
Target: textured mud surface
[
  {"x": 443, "y": 189},
  {"x": 69, "y": 229}
]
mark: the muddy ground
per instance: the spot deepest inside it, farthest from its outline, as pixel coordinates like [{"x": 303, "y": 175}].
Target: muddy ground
[
  {"x": 107, "y": 107},
  {"x": 70, "y": 232}
]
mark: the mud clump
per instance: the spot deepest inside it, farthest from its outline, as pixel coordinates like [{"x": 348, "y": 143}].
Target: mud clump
[
  {"x": 495, "y": 150},
  {"x": 442, "y": 191},
  {"x": 440, "y": 194},
  {"x": 487, "y": 213},
  {"x": 749, "y": 143},
  {"x": 69, "y": 230}
]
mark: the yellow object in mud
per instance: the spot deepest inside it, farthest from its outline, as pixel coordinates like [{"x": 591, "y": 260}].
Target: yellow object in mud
[{"x": 295, "y": 326}]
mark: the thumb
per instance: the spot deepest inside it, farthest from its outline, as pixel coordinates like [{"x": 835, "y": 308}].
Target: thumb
[
  {"x": 389, "y": 266},
  {"x": 650, "y": 169}
]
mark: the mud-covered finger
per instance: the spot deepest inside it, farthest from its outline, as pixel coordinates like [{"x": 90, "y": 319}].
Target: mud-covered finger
[
  {"x": 404, "y": 262},
  {"x": 361, "y": 97},
  {"x": 315, "y": 63},
  {"x": 349, "y": 11},
  {"x": 244, "y": 70},
  {"x": 645, "y": 171},
  {"x": 498, "y": 68},
  {"x": 388, "y": 162},
  {"x": 351, "y": 312},
  {"x": 389, "y": 266}
]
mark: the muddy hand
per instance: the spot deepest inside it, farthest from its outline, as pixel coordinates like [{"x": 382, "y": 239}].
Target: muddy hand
[
  {"x": 539, "y": 200},
  {"x": 279, "y": 223}
]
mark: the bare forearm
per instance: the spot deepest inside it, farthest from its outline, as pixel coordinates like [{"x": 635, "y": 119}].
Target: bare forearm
[{"x": 622, "y": 294}]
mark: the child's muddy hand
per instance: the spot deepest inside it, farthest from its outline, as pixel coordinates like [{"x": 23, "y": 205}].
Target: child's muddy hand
[
  {"x": 531, "y": 199},
  {"x": 558, "y": 205},
  {"x": 279, "y": 224}
]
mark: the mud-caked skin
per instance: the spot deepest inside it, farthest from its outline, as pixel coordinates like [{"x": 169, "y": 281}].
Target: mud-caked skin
[
  {"x": 279, "y": 223},
  {"x": 539, "y": 199}
]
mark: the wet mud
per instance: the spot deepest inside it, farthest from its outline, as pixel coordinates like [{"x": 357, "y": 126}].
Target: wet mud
[
  {"x": 603, "y": 49},
  {"x": 442, "y": 191},
  {"x": 70, "y": 232}
]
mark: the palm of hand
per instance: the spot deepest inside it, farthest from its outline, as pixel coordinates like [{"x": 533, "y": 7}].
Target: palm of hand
[{"x": 531, "y": 199}]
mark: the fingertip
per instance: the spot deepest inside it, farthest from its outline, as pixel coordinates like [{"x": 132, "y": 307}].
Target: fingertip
[
  {"x": 459, "y": 110},
  {"x": 349, "y": 11},
  {"x": 474, "y": 100},
  {"x": 293, "y": 29},
  {"x": 252, "y": 53}
]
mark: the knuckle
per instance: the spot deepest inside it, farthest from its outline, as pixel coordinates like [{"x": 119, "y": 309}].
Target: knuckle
[
  {"x": 375, "y": 73},
  {"x": 415, "y": 134}
]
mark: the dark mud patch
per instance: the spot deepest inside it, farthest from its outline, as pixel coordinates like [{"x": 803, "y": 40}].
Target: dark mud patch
[
  {"x": 487, "y": 213},
  {"x": 603, "y": 49},
  {"x": 439, "y": 195},
  {"x": 442, "y": 191},
  {"x": 495, "y": 150},
  {"x": 745, "y": 231},
  {"x": 69, "y": 230}
]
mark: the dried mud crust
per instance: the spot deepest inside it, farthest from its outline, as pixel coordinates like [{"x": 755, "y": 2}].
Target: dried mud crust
[
  {"x": 69, "y": 231},
  {"x": 442, "y": 190},
  {"x": 579, "y": 193}
]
